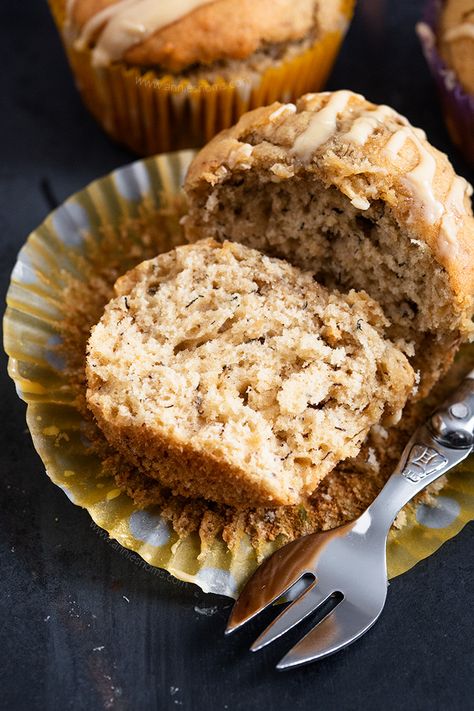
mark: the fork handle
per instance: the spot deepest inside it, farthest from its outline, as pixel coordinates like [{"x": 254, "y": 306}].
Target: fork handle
[{"x": 438, "y": 445}]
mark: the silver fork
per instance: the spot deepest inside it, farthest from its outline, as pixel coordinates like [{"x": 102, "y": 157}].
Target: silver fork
[{"x": 351, "y": 560}]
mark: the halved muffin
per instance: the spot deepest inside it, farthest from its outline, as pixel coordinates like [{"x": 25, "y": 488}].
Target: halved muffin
[{"x": 229, "y": 375}]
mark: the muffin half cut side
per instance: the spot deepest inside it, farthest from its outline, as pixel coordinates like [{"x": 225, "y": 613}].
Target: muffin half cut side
[{"x": 229, "y": 375}]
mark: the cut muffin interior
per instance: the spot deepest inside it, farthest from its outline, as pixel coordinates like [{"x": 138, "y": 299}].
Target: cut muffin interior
[
  {"x": 318, "y": 229},
  {"x": 233, "y": 376}
]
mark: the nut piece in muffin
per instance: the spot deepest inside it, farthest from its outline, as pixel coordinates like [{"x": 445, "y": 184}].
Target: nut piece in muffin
[
  {"x": 232, "y": 376},
  {"x": 353, "y": 193}
]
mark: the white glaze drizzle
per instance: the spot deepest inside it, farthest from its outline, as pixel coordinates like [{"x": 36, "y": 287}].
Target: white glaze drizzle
[
  {"x": 420, "y": 178},
  {"x": 396, "y": 141},
  {"x": 68, "y": 32},
  {"x": 464, "y": 31},
  {"x": 452, "y": 219},
  {"x": 364, "y": 126},
  {"x": 127, "y": 23},
  {"x": 322, "y": 126},
  {"x": 282, "y": 110}
]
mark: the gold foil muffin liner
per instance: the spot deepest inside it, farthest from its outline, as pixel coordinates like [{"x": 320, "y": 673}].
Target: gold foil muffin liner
[
  {"x": 97, "y": 234},
  {"x": 152, "y": 113}
]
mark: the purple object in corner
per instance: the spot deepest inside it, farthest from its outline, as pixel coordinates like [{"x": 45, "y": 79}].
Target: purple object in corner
[{"x": 458, "y": 106}]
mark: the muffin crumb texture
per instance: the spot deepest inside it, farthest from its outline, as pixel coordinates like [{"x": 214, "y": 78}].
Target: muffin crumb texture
[{"x": 228, "y": 375}]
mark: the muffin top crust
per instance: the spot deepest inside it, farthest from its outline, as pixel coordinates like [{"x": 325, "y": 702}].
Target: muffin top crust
[
  {"x": 176, "y": 34},
  {"x": 456, "y": 40}
]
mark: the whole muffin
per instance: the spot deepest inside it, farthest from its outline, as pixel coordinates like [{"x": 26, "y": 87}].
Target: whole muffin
[
  {"x": 163, "y": 75},
  {"x": 447, "y": 35},
  {"x": 353, "y": 193}
]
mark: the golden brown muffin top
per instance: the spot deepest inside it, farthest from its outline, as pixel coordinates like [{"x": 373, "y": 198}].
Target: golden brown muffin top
[
  {"x": 367, "y": 152},
  {"x": 175, "y": 34},
  {"x": 456, "y": 40}
]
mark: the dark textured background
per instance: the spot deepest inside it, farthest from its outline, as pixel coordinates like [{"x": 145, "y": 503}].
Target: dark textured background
[{"x": 69, "y": 638}]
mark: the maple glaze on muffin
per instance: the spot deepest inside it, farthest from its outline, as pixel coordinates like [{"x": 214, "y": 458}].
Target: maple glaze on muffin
[{"x": 229, "y": 375}]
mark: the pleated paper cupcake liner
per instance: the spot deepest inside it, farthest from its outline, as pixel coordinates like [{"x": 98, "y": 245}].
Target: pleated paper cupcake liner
[
  {"x": 78, "y": 243},
  {"x": 152, "y": 113},
  {"x": 457, "y": 105}
]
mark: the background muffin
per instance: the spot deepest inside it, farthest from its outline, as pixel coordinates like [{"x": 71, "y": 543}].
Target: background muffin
[
  {"x": 160, "y": 76},
  {"x": 447, "y": 35}
]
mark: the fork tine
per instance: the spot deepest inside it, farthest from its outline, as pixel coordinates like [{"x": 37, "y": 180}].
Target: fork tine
[
  {"x": 254, "y": 598},
  {"x": 294, "y": 613},
  {"x": 339, "y": 628},
  {"x": 271, "y": 580}
]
